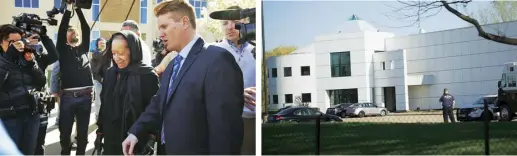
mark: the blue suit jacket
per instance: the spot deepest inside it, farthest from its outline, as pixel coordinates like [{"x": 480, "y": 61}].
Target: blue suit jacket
[{"x": 203, "y": 115}]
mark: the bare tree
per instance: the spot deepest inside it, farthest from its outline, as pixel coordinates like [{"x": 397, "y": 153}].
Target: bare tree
[
  {"x": 299, "y": 101},
  {"x": 424, "y": 9}
]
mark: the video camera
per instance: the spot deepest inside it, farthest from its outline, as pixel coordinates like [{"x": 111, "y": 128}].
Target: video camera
[
  {"x": 45, "y": 101},
  {"x": 32, "y": 23},
  {"x": 246, "y": 30},
  {"x": 158, "y": 45}
]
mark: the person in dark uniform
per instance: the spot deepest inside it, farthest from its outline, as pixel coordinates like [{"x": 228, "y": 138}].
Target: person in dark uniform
[{"x": 448, "y": 103}]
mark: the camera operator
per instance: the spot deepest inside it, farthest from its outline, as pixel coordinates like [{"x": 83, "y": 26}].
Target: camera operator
[
  {"x": 244, "y": 57},
  {"x": 76, "y": 82},
  {"x": 21, "y": 71}
]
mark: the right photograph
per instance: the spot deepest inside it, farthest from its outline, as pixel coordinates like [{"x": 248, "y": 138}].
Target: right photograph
[{"x": 389, "y": 78}]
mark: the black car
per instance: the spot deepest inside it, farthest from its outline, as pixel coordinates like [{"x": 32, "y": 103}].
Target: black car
[
  {"x": 301, "y": 114},
  {"x": 338, "y": 109},
  {"x": 475, "y": 110}
]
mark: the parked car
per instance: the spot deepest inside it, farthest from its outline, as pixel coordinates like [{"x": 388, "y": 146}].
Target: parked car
[
  {"x": 338, "y": 109},
  {"x": 301, "y": 114},
  {"x": 365, "y": 109},
  {"x": 474, "y": 111},
  {"x": 281, "y": 109}
]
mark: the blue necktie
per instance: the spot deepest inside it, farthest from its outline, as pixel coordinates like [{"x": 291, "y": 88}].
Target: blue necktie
[{"x": 176, "y": 67}]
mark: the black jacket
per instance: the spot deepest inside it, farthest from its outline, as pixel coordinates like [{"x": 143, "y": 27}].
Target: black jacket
[
  {"x": 17, "y": 77},
  {"x": 74, "y": 63},
  {"x": 125, "y": 95}
]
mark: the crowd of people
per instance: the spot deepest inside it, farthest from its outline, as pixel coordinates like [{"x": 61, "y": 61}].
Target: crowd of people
[{"x": 192, "y": 98}]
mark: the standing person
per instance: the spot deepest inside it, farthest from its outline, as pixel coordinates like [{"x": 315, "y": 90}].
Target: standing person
[
  {"x": 146, "y": 51},
  {"x": 129, "y": 86},
  {"x": 76, "y": 82},
  {"x": 98, "y": 68},
  {"x": 448, "y": 103},
  {"x": 199, "y": 104},
  {"x": 244, "y": 57},
  {"x": 20, "y": 73}
]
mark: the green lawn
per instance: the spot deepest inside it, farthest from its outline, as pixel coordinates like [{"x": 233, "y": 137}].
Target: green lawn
[{"x": 389, "y": 139}]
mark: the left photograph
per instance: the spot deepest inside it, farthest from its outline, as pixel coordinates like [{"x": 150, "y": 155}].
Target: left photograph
[{"x": 128, "y": 77}]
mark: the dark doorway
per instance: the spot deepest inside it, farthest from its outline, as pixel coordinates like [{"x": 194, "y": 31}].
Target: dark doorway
[{"x": 389, "y": 99}]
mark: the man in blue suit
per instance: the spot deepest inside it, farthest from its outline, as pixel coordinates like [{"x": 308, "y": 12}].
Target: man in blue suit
[{"x": 199, "y": 105}]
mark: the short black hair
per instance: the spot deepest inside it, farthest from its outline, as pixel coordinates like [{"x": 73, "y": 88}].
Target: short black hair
[{"x": 7, "y": 29}]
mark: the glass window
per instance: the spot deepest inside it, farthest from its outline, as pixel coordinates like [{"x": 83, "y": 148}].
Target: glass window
[
  {"x": 26, "y": 3},
  {"x": 273, "y": 72},
  {"x": 143, "y": 11},
  {"x": 311, "y": 111},
  {"x": 143, "y": 15},
  {"x": 503, "y": 80},
  {"x": 288, "y": 98},
  {"x": 306, "y": 71},
  {"x": 343, "y": 96},
  {"x": 57, "y": 4},
  {"x": 299, "y": 112},
  {"x": 18, "y": 3},
  {"x": 340, "y": 64},
  {"x": 306, "y": 97},
  {"x": 35, "y": 4},
  {"x": 275, "y": 99},
  {"x": 143, "y": 3},
  {"x": 287, "y": 72},
  {"x": 95, "y": 10}
]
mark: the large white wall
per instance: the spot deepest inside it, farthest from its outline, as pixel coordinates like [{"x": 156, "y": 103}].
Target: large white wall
[
  {"x": 392, "y": 76},
  {"x": 296, "y": 84},
  {"x": 468, "y": 65}
]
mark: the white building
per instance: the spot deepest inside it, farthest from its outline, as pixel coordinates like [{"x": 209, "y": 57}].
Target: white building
[{"x": 360, "y": 64}]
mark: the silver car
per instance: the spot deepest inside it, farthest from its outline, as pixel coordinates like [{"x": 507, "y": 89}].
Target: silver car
[{"x": 365, "y": 109}]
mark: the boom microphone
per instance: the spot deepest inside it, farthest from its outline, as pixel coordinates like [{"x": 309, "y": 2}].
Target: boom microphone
[{"x": 232, "y": 14}]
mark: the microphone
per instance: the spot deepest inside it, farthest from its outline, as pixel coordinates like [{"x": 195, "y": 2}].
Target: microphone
[{"x": 232, "y": 14}]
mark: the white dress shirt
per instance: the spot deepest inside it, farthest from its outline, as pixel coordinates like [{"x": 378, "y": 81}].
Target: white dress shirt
[{"x": 247, "y": 63}]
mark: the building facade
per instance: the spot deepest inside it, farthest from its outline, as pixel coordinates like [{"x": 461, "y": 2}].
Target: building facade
[
  {"x": 401, "y": 73},
  {"x": 109, "y": 20}
]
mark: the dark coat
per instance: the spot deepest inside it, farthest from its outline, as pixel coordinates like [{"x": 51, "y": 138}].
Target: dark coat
[
  {"x": 125, "y": 95},
  {"x": 204, "y": 114},
  {"x": 17, "y": 77}
]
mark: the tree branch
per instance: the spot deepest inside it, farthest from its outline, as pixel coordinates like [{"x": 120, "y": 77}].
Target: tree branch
[{"x": 481, "y": 32}]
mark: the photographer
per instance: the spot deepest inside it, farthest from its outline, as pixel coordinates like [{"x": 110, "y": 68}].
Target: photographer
[
  {"x": 244, "y": 57},
  {"x": 21, "y": 71},
  {"x": 76, "y": 82}
]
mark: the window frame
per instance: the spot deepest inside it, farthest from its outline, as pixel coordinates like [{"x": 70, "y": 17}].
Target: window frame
[
  {"x": 274, "y": 72},
  {"x": 310, "y": 97},
  {"x": 309, "y": 70},
  {"x": 290, "y": 72},
  {"x": 143, "y": 10},
  {"x": 30, "y": 5},
  {"x": 94, "y": 13},
  {"x": 340, "y": 68},
  {"x": 285, "y": 98},
  {"x": 273, "y": 100}
]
